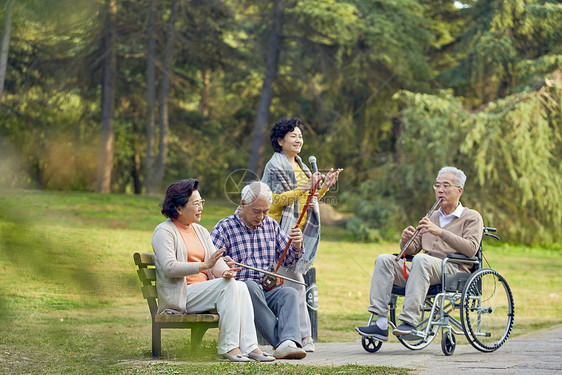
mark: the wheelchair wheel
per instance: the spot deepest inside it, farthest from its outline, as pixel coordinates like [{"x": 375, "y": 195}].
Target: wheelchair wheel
[
  {"x": 420, "y": 342},
  {"x": 371, "y": 345},
  {"x": 487, "y": 310},
  {"x": 448, "y": 342}
]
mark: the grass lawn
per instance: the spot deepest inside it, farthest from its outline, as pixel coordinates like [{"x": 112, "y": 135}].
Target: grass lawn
[{"x": 70, "y": 298}]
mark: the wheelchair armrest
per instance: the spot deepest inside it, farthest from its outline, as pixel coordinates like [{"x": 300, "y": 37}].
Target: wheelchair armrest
[{"x": 459, "y": 258}]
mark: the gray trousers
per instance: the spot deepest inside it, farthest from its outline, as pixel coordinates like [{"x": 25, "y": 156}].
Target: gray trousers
[
  {"x": 424, "y": 271},
  {"x": 276, "y": 313},
  {"x": 306, "y": 325}
]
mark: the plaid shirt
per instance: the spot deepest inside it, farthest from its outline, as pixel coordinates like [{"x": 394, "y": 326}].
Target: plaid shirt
[{"x": 260, "y": 247}]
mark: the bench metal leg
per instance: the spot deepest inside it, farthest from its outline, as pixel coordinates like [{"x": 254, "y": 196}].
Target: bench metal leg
[{"x": 156, "y": 341}]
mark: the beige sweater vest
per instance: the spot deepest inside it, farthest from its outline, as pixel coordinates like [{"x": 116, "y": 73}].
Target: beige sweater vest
[{"x": 461, "y": 236}]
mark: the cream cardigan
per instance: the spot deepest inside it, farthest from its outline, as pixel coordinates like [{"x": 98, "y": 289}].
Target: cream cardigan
[{"x": 170, "y": 258}]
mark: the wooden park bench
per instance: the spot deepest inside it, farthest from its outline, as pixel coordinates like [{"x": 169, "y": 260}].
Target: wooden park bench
[{"x": 198, "y": 323}]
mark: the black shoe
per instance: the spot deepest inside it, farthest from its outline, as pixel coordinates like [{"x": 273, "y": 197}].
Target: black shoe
[
  {"x": 404, "y": 329},
  {"x": 373, "y": 331}
]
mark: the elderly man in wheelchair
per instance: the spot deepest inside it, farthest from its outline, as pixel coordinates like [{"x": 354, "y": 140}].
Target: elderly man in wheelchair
[{"x": 439, "y": 280}]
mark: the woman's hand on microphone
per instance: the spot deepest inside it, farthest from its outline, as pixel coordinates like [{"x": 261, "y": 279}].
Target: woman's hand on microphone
[{"x": 316, "y": 176}]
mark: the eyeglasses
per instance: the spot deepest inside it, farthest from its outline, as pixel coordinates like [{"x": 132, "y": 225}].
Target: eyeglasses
[
  {"x": 260, "y": 212},
  {"x": 197, "y": 203},
  {"x": 444, "y": 186}
]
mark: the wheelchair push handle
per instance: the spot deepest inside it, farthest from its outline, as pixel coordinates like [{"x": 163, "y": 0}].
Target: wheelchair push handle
[{"x": 487, "y": 231}]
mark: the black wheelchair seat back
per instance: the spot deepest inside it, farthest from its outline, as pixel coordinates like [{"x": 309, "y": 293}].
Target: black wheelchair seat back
[
  {"x": 456, "y": 282},
  {"x": 401, "y": 291}
]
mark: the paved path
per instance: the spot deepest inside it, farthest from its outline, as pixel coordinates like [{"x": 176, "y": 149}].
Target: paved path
[{"x": 538, "y": 353}]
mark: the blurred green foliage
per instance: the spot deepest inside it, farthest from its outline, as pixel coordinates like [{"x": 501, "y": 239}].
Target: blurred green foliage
[{"x": 391, "y": 90}]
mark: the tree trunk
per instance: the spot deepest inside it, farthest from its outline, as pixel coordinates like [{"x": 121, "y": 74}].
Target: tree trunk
[
  {"x": 150, "y": 100},
  {"x": 135, "y": 173},
  {"x": 255, "y": 163},
  {"x": 5, "y": 44},
  {"x": 164, "y": 92},
  {"x": 206, "y": 92},
  {"x": 109, "y": 74}
]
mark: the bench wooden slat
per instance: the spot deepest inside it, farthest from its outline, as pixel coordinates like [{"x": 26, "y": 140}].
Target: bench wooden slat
[
  {"x": 143, "y": 259},
  {"x": 147, "y": 275},
  {"x": 187, "y": 318},
  {"x": 149, "y": 291}
]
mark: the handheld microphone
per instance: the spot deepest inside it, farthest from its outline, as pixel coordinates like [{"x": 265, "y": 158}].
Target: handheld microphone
[{"x": 312, "y": 161}]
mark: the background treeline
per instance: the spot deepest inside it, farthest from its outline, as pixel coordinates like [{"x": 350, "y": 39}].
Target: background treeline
[{"x": 129, "y": 95}]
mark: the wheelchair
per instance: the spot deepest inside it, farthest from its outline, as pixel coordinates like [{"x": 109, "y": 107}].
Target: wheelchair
[{"x": 478, "y": 305}]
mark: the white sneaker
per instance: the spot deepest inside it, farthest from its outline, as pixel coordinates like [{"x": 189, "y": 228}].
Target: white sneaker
[
  {"x": 308, "y": 345},
  {"x": 289, "y": 352}
]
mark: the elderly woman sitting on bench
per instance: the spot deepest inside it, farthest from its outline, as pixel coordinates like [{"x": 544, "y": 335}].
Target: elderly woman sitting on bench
[{"x": 191, "y": 276}]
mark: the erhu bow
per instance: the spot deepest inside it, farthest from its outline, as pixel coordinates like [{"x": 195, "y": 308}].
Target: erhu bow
[
  {"x": 269, "y": 281},
  {"x": 273, "y": 274},
  {"x": 429, "y": 213}
]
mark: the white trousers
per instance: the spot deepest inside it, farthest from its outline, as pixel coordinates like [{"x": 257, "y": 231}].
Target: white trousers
[
  {"x": 305, "y": 325},
  {"x": 232, "y": 301}
]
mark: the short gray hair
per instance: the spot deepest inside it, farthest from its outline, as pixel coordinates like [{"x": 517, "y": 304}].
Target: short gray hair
[
  {"x": 460, "y": 177},
  {"x": 254, "y": 190}
]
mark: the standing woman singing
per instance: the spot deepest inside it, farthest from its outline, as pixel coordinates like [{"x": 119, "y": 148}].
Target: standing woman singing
[
  {"x": 290, "y": 181},
  {"x": 191, "y": 276}
]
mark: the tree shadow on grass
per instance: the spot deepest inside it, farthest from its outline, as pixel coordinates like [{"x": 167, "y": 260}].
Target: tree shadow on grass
[{"x": 27, "y": 253}]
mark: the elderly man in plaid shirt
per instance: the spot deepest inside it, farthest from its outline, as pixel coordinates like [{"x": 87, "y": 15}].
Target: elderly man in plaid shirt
[{"x": 252, "y": 238}]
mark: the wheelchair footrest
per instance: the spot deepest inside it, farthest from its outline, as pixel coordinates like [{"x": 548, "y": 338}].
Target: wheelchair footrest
[{"x": 414, "y": 336}]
